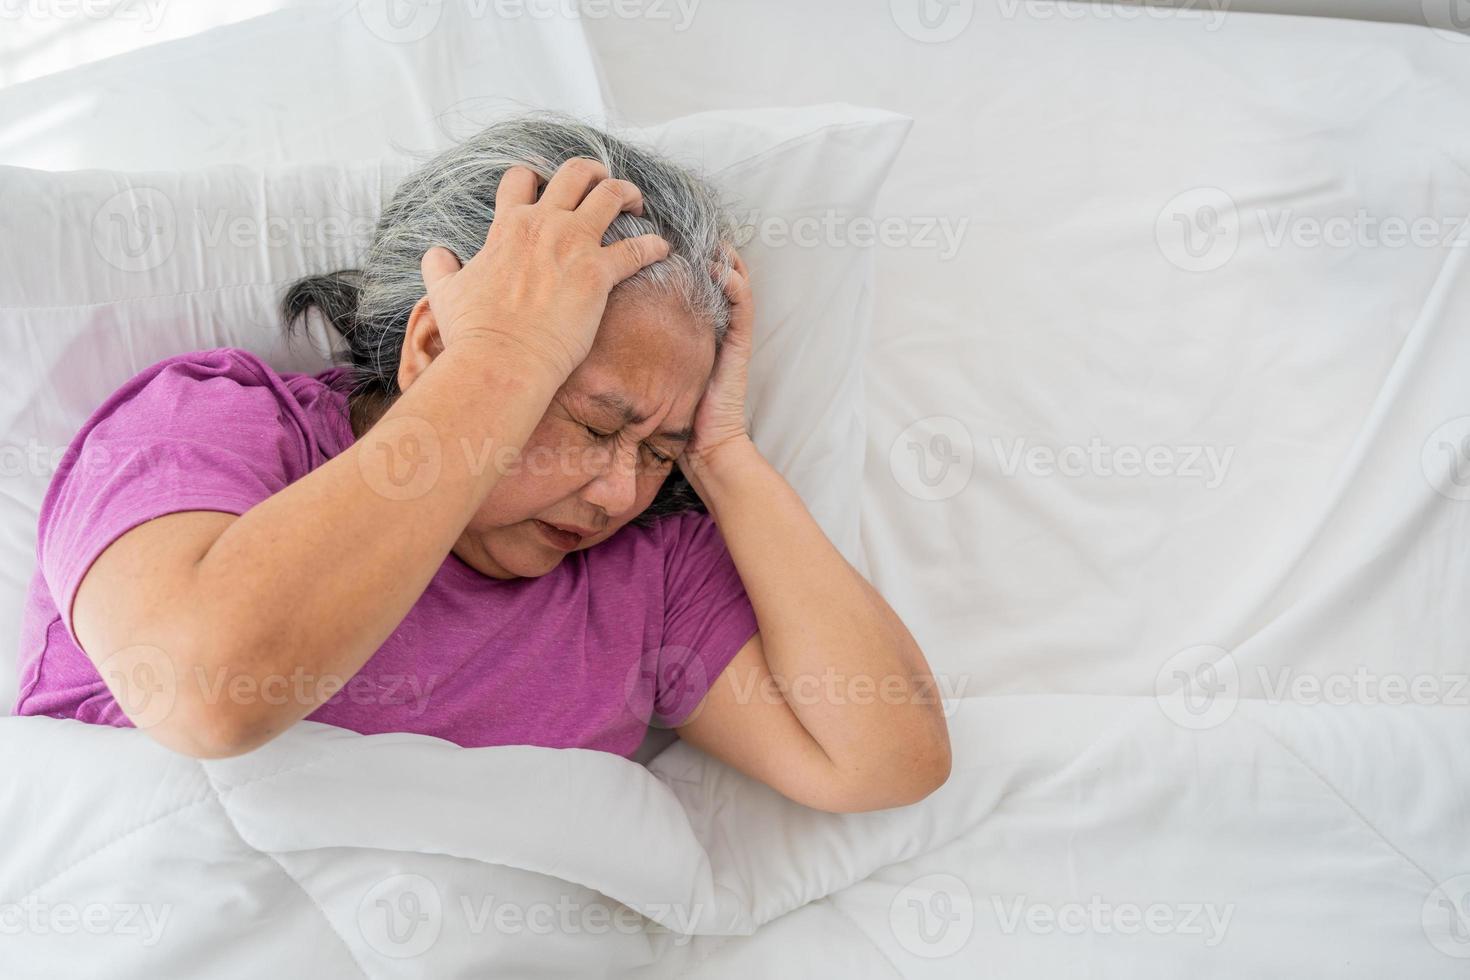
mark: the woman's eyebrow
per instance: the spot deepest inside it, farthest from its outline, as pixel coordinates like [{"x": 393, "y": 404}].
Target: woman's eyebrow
[{"x": 628, "y": 415}]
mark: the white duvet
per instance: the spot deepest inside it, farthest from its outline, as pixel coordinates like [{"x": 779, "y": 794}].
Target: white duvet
[
  {"x": 1077, "y": 837},
  {"x": 1206, "y": 726}
]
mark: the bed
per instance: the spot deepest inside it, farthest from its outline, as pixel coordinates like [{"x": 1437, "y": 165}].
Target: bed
[{"x": 1164, "y": 458}]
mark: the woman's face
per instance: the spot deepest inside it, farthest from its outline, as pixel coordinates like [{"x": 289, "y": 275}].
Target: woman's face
[{"x": 603, "y": 448}]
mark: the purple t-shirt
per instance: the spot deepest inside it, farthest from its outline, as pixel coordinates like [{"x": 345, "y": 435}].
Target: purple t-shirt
[{"x": 633, "y": 629}]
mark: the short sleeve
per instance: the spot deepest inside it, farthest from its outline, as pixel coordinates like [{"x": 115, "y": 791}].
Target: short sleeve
[
  {"x": 206, "y": 431},
  {"x": 707, "y": 615}
]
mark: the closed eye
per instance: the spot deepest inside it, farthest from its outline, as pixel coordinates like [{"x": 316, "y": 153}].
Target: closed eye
[{"x": 663, "y": 460}]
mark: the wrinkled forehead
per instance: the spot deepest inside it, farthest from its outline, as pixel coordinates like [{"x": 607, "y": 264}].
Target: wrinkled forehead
[{"x": 651, "y": 354}]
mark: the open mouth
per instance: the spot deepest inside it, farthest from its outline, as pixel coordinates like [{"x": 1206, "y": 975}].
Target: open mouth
[{"x": 564, "y": 540}]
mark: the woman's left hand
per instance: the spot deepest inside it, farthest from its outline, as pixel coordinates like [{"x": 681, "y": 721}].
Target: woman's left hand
[{"x": 719, "y": 421}]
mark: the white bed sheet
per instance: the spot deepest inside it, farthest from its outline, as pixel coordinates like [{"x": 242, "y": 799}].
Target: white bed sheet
[
  {"x": 1318, "y": 558},
  {"x": 1061, "y": 145},
  {"x": 1331, "y": 834}
]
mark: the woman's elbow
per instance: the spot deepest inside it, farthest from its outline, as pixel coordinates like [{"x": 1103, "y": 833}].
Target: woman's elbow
[
  {"x": 908, "y": 778},
  {"x": 187, "y": 710},
  {"x": 209, "y": 731}
]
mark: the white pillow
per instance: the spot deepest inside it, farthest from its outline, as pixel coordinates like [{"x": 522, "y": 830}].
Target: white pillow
[
  {"x": 108, "y": 273},
  {"x": 323, "y": 80}
]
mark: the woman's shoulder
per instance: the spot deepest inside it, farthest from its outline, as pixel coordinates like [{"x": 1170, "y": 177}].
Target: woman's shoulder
[
  {"x": 231, "y": 391},
  {"x": 235, "y": 365}
]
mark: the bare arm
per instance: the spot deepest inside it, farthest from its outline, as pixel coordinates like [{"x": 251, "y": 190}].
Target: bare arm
[
  {"x": 832, "y": 702},
  {"x": 313, "y": 579}
]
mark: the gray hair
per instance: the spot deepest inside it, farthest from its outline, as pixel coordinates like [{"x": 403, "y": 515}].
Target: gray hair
[{"x": 450, "y": 200}]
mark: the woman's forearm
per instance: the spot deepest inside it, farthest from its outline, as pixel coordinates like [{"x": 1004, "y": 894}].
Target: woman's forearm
[
  {"x": 316, "y": 577},
  {"x": 842, "y": 658}
]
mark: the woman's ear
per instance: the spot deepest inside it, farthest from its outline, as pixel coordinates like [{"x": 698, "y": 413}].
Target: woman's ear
[{"x": 421, "y": 343}]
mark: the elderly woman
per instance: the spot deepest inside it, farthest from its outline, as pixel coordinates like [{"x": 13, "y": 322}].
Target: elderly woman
[{"x": 528, "y": 513}]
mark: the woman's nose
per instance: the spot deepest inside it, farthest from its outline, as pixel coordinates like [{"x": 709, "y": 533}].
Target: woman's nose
[{"x": 615, "y": 487}]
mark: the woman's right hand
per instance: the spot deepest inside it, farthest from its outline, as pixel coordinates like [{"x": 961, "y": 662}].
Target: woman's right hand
[{"x": 542, "y": 279}]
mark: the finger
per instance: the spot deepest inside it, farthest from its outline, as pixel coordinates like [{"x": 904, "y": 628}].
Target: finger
[
  {"x": 632, "y": 254},
  {"x": 736, "y": 262},
  {"x": 607, "y": 200},
  {"x": 571, "y": 182},
  {"x": 517, "y": 186},
  {"x": 438, "y": 264},
  {"x": 734, "y": 282}
]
